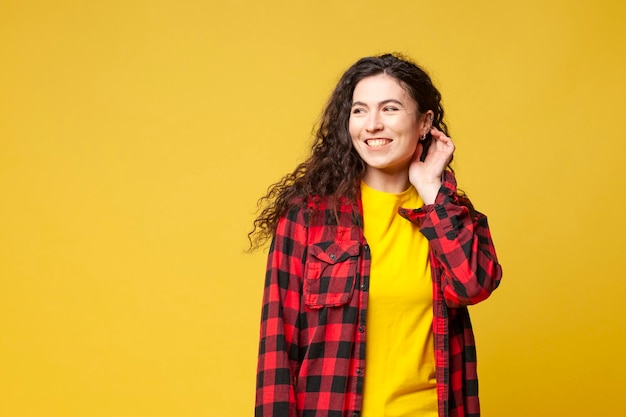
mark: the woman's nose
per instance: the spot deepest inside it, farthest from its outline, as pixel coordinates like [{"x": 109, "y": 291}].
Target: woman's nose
[{"x": 374, "y": 123}]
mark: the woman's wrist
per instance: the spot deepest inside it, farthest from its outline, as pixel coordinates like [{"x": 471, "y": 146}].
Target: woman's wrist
[{"x": 428, "y": 191}]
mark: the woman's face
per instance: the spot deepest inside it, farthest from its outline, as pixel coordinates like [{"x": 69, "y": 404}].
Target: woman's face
[{"x": 385, "y": 125}]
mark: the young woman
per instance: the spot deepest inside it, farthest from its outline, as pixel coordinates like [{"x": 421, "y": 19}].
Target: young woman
[{"x": 374, "y": 258}]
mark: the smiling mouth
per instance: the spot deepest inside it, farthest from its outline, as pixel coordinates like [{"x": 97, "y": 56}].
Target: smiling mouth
[{"x": 377, "y": 143}]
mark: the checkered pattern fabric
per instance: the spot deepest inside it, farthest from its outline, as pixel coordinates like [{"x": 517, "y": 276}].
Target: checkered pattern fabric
[{"x": 312, "y": 346}]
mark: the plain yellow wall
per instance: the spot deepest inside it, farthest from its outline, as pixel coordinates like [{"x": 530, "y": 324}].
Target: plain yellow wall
[{"x": 136, "y": 137}]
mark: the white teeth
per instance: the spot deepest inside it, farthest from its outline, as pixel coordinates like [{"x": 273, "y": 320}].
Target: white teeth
[{"x": 375, "y": 143}]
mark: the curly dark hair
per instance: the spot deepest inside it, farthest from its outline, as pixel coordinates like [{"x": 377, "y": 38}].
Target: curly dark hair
[{"x": 334, "y": 169}]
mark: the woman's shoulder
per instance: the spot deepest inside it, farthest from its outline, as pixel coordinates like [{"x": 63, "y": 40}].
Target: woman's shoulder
[
  {"x": 320, "y": 210},
  {"x": 320, "y": 203}
]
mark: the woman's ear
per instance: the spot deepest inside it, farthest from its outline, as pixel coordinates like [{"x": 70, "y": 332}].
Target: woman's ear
[{"x": 427, "y": 123}]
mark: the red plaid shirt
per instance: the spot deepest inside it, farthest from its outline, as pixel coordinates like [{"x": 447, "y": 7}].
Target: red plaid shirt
[{"x": 313, "y": 327}]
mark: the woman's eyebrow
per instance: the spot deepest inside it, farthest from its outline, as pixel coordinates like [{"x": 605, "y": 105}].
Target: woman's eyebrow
[{"x": 382, "y": 103}]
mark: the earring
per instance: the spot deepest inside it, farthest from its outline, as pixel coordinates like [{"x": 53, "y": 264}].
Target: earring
[{"x": 423, "y": 138}]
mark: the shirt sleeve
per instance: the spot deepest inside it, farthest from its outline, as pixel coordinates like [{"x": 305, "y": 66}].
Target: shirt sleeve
[
  {"x": 460, "y": 239},
  {"x": 278, "y": 347}
]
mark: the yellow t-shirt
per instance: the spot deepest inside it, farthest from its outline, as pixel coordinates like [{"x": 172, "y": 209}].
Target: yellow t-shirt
[{"x": 399, "y": 358}]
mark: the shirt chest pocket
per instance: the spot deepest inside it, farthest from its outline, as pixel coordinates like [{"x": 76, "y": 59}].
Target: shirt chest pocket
[{"x": 330, "y": 273}]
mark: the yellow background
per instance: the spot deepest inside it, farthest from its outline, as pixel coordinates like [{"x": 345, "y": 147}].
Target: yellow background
[{"x": 136, "y": 137}]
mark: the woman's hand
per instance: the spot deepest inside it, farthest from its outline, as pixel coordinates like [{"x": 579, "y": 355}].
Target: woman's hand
[{"x": 426, "y": 176}]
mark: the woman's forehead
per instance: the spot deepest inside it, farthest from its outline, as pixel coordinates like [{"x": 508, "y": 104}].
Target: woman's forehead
[{"x": 380, "y": 87}]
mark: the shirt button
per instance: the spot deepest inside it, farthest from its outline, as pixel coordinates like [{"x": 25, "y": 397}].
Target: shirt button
[
  {"x": 359, "y": 372},
  {"x": 361, "y": 329},
  {"x": 355, "y": 414},
  {"x": 366, "y": 247},
  {"x": 332, "y": 256},
  {"x": 363, "y": 287}
]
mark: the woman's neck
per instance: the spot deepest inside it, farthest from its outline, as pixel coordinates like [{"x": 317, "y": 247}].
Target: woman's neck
[{"x": 395, "y": 182}]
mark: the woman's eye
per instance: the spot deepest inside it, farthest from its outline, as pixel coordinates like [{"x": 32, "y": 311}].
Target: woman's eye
[
  {"x": 357, "y": 111},
  {"x": 390, "y": 108}
]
